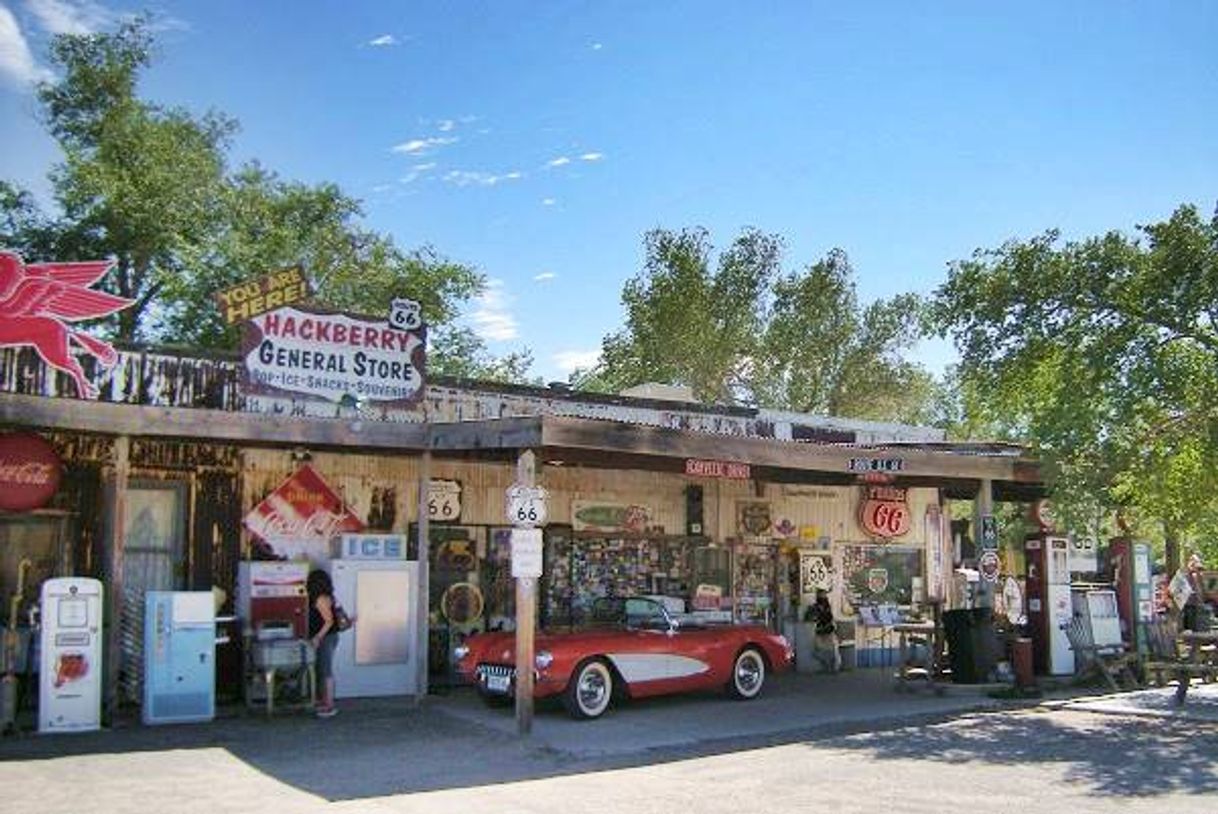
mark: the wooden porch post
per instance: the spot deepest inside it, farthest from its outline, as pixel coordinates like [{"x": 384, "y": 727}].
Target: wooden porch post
[
  {"x": 114, "y": 590},
  {"x": 422, "y": 600}
]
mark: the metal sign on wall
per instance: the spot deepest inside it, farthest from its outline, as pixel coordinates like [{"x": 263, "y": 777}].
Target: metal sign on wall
[
  {"x": 335, "y": 356},
  {"x": 30, "y": 471},
  {"x": 39, "y": 304}
]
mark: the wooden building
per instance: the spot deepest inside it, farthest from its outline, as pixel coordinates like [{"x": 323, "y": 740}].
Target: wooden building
[{"x": 729, "y": 509}]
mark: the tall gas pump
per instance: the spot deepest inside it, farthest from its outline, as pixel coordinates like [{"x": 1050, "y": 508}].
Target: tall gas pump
[
  {"x": 1129, "y": 566},
  {"x": 1048, "y": 592}
]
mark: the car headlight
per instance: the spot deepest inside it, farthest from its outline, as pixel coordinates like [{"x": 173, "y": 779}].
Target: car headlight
[
  {"x": 543, "y": 659},
  {"x": 460, "y": 651}
]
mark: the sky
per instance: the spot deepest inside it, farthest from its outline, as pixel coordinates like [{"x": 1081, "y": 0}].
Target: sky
[{"x": 539, "y": 141}]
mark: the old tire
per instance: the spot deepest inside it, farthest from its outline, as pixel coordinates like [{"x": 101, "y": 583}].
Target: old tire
[
  {"x": 590, "y": 690},
  {"x": 748, "y": 675}
]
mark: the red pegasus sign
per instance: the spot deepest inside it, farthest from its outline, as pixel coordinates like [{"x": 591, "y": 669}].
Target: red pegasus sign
[{"x": 39, "y": 301}]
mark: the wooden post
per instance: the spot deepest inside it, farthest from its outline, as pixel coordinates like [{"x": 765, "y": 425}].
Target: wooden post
[
  {"x": 982, "y": 507},
  {"x": 114, "y": 590},
  {"x": 526, "y": 609},
  {"x": 423, "y": 600}
]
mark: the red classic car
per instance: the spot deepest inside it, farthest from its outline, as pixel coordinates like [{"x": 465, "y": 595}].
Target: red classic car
[{"x": 631, "y": 647}]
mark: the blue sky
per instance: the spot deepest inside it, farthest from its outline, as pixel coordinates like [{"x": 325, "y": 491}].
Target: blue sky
[{"x": 539, "y": 141}]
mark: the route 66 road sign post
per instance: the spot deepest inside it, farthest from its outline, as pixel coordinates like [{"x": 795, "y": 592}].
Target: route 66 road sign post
[{"x": 526, "y": 511}]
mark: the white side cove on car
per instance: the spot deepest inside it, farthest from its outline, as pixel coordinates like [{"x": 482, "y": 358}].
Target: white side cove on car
[{"x": 638, "y": 667}]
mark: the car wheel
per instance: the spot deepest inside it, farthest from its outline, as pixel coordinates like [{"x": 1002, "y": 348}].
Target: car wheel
[
  {"x": 748, "y": 675},
  {"x": 590, "y": 690}
]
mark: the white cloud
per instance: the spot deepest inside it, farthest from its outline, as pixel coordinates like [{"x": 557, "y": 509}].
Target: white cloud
[
  {"x": 16, "y": 60},
  {"x": 545, "y": 275},
  {"x": 419, "y": 146},
  {"x": 569, "y": 361},
  {"x": 561, "y": 161},
  {"x": 465, "y": 178},
  {"x": 430, "y": 165},
  {"x": 591, "y": 156},
  {"x": 445, "y": 125},
  {"x": 78, "y": 17},
  {"x": 383, "y": 41},
  {"x": 493, "y": 321},
  {"x": 596, "y": 46},
  {"x": 548, "y": 201}
]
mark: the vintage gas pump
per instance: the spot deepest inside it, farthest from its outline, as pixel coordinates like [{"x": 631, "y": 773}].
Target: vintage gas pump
[
  {"x": 1129, "y": 566},
  {"x": 1047, "y": 558}
]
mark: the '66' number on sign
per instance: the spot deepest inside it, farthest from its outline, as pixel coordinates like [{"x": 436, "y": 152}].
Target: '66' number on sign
[
  {"x": 883, "y": 512},
  {"x": 526, "y": 506}
]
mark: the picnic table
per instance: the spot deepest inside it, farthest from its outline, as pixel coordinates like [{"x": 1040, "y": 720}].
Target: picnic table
[{"x": 1181, "y": 655}]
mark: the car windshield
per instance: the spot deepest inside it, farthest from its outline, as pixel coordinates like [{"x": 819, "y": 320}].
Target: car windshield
[{"x": 635, "y": 612}]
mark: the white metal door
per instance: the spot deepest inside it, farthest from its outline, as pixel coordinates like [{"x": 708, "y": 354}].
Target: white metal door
[{"x": 377, "y": 655}]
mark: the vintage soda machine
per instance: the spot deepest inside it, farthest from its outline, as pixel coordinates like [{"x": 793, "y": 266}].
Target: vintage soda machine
[
  {"x": 377, "y": 586},
  {"x": 1049, "y": 603},
  {"x": 179, "y": 657},
  {"x": 273, "y": 598},
  {"x": 1129, "y": 566},
  {"x": 70, "y": 678}
]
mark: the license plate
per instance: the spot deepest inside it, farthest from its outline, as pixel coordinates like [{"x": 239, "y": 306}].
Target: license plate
[{"x": 496, "y": 683}]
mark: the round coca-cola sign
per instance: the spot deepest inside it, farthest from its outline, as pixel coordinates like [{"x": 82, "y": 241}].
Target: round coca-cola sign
[
  {"x": 29, "y": 471},
  {"x": 883, "y": 511}
]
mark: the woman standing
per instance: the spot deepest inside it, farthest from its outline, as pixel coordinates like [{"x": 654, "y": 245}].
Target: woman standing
[{"x": 323, "y": 635}]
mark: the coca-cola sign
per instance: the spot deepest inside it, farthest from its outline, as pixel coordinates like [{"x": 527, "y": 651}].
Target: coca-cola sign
[
  {"x": 29, "y": 472},
  {"x": 884, "y": 512}
]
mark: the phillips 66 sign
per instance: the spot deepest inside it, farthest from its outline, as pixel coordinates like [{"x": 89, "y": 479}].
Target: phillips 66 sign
[{"x": 884, "y": 511}]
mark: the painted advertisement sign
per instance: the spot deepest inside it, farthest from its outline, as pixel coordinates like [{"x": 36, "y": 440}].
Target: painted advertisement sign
[
  {"x": 334, "y": 355},
  {"x": 254, "y": 297},
  {"x": 301, "y": 516},
  {"x": 39, "y": 302},
  {"x": 30, "y": 471}
]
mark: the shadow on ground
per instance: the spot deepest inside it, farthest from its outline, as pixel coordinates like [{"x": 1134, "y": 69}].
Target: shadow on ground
[{"x": 379, "y": 747}]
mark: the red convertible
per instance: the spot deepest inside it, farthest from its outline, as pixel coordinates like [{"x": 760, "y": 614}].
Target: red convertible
[{"x": 632, "y": 648}]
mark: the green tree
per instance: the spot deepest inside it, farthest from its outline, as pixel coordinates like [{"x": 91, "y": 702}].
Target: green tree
[
  {"x": 1103, "y": 354},
  {"x": 139, "y": 182},
  {"x": 739, "y": 330}
]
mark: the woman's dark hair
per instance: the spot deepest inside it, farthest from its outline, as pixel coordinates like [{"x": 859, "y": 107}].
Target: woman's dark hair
[{"x": 319, "y": 583}]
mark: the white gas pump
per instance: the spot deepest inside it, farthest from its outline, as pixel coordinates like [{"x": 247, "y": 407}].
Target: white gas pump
[{"x": 70, "y": 679}]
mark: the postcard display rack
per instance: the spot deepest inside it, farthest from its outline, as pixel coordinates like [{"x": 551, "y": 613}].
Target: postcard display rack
[{"x": 580, "y": 569}]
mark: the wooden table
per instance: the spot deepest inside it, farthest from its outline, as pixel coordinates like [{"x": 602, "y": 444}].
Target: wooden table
[{"x": 908, "y": 669}]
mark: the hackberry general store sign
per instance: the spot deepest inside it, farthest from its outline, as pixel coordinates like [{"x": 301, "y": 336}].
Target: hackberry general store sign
[{"x": 331, "y": 355}]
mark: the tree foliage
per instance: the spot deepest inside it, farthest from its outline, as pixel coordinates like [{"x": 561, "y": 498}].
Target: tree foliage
[
  {"x": 149, "y": 187},
  {"x": 737, "y": 329},
  {"x": 1103, "y": 353}
]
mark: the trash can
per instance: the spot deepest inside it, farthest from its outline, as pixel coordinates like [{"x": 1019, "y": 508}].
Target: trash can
[
  {"x": 1021, "y": 661},
  {"x": 970, "y": 644}
]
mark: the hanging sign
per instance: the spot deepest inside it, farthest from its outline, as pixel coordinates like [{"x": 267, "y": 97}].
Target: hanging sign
[
  {"x": 300, "y": 514},
  {"x": 254, "y": 297},
  {"x": 335, "y": 356},
  {"x": 695, "y": 467},
  {"x": 889, "y": 466},
  {"x": 30, "y": 471},
  {"x": 884, "y": 512},
  {"x": 526, "y": 552},
  {"x": 39, "y": 303},
  {"x": 629, "y": 518}
]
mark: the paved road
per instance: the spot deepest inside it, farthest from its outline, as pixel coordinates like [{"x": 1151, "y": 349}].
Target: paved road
[{"x": 837, "y": 744}]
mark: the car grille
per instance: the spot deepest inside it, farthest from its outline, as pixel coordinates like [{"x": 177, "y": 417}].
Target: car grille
[{"x": 496, "y": 670}]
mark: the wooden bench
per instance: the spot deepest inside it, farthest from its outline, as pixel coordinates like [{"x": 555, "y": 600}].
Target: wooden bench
[{"x": 1110, "y": 661}]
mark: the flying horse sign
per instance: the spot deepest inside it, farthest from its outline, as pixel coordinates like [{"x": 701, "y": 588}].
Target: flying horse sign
[{"x": 39, "y": 302}]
